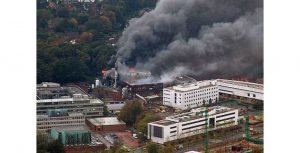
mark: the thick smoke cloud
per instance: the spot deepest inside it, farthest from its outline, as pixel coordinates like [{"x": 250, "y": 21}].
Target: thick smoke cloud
[{"x": 202, "y": 38}]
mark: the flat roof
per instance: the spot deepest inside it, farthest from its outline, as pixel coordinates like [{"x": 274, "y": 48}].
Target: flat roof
[
  {"x": 185, "y": 78},
  {"x": 71, "y": 128},
  {"x": 199, "y": 113},
  {"x": 192, "y": 115},
  {"x": 242, "y": 83},
  {"x": 94, "y": 101},
  {"x": 60, "y": 100},
  {"x": 59, "y": 92},
  {"x": 192, "y": 86},
  {"x": 75, "y": 114},
  {"x": 105, "y": 121},
  {"x": 151, "y": 97},
  {"x": 69, "y": 114},
  {"x": 41, "y": 116},
  {"x": 164, "y": 122}
]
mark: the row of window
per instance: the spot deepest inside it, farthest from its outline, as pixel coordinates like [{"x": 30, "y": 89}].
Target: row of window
[
  {"x": 196, "y": 126},
  {"x": 193, "y": 122},
  {"x": 64, "y": 103},
  {"x": 200, "y": 91},
  {"x": 59, "y": 118},
  {"x": 80, "y": 110},
  {"x": 203, "y": 94},
  {"x": 225, "y": 115},
  {"x": 200, "y": 100},
  {"x": 55, "y": 123},
  {"x": 68, "y": 106},
  {"x": 196, "y": 99},
  {"x": 225, "y": 119},
  {"x": 49, "y": 127},
  {"x": 253, "y": 95},
  {"x": 193, "y": 104},
  {"x": 116, "y": 102}
]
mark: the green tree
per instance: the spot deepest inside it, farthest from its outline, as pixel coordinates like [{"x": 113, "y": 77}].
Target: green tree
[
  {"x": 143, "y": 120},
  {"x": 55, "y": 147},
  {"x": 62, "y": 12},
  {"x": 169, "y": 149},
  {"x": 86, "y": 36},
  {"x": 41, "y": 4},
  {"x": 130, "y": 111},
  {"x": 69, "y": 70},
  {"x": 41, "y": 142},
  {"x": 85, "y": 60},
  {"x": 82, "y": 18},
  {"x": 105, "y": 110},
  {"x": 42, "y": 18},
  {"x": 153, "y": 148},
  {"x": 94, "y": 24}
]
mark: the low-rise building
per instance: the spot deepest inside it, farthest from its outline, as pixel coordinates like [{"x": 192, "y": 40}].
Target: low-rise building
[
  {"x": 107, "y": 124},
  {"x": 65, "y": 106},
  {"x": 46, "y": 122},
  {"x": 241, "y": 89},
  {"x": 71, "y": 135},
  {"x": 191, "y": 123},
  {"x": 115, "y": 106}
]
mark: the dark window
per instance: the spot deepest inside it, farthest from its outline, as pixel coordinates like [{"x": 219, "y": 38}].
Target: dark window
[
  {"x": 193, "y": 127},
  {"x": 157, "y": 131},
  {"x": 192, "y": 122},
  {"x": 173, "y": 131},
  {"x": 172, "y": 127},
  {"x": 225, "y": 115},
  {"x": 248, "y": 94},
  {"x": 212, "y": 122},
  {"x": 253, "y": 95},
  {"x": 226, "y": 119}
]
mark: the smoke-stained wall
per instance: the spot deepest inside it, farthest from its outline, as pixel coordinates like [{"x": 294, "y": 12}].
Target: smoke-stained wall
[{"x": 202, "y": 38}]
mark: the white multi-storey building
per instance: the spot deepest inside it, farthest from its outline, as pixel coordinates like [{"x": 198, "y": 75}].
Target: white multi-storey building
[
  {"x": 65, "y": 106},
  {"x": 242, "y": 89},
  {"x": 191, "y": 123},
  {"x": 115, "y": 106},
  {"x": 88, "y": 107},
  {"x": 45, "y": 122},
  {"x": 191, "y": 95}
]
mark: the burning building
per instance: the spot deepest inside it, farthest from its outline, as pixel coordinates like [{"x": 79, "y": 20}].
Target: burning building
[{"x": 143, "y": 89}]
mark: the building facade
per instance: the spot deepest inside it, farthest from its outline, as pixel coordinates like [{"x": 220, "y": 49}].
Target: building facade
[
  {"x": 241, "y": 89},
  {"x": 71, "y": 135},
  {"x": 65, "y": 106},
  {"x": 191, "y": 123},
  {"x": 88, "y": 107},
  {"x": 115, "y": 106},
  {"x": 191, "y": 95},
  {"x": 46, "y": 122},
  {"x": 106, "y": 124}
]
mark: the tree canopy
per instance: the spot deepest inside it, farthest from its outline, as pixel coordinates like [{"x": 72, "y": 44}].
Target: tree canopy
[
  {"x": 153, "y": 148},
  {"x": 144, "y": 119},
  {"x": 130, "y": 111},
  {"x": 72, "y": 39}
]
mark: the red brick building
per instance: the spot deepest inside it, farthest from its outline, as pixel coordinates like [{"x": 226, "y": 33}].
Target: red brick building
[{"x": 106, "y": 124}]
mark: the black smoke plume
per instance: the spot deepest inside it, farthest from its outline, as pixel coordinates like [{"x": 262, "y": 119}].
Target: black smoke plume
[{"x": 201, "y": 38}]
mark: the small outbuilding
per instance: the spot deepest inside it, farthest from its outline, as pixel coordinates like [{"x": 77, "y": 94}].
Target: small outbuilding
[{"x": 106, "y": 124}]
